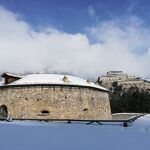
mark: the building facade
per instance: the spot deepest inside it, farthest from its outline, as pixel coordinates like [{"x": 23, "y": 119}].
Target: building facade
[{"x": 51, "y": 96}]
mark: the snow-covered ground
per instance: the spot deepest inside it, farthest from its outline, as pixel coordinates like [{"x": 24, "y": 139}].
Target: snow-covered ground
[{"x": 32, "y": 135}]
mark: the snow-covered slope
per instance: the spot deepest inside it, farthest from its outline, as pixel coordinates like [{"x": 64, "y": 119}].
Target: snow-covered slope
[{"x": 27, "y": 135}]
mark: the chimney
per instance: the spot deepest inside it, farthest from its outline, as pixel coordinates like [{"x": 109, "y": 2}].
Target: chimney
[
  {"x": 65, "y": 79},
  {"x": 88, "y": 81}
]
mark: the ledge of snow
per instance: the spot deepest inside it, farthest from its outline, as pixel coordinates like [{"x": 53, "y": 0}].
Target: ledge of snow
[{"x": 55, "y": 79}]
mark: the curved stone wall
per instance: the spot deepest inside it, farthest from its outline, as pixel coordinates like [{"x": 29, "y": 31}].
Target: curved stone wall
[{"x": 55, "y": 102}]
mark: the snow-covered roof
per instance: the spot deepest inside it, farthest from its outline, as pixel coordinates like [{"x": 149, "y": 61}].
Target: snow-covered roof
[
  {"x": 56, "y": 79},
  {"x": 11, "y": 74},
  {"x": 2, "y": 82}
]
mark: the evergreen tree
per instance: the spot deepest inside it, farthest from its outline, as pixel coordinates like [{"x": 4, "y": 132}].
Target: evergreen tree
[{"x": 132, "y": 100}]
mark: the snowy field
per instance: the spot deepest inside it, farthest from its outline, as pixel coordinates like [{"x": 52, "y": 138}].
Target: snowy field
[{"x": 31, "y": 135}]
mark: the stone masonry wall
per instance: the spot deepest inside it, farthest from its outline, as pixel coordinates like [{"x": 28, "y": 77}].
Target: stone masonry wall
[{"x": 58, "y": 102}]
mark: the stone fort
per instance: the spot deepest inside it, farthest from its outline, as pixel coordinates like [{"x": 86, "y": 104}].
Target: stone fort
[
  {"x": 52, "y": 96},
  {"x": 123, "y": 79}
]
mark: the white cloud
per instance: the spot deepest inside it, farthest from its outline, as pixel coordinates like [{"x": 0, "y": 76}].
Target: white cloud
[
  {"x": 125, "y": 45},
  {"x": 23, "y": 49},
  {"x": 92, "y": 13}
]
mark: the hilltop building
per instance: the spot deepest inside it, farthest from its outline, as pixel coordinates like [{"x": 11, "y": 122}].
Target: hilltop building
[
  {"x": 123, "y": 79},
  {"x": 52, "y": 96}
]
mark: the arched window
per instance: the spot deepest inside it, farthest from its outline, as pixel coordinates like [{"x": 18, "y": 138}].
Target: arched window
[{"x": 3, "y": 111}]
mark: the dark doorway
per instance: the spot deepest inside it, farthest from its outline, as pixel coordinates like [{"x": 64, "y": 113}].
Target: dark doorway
[{"x": 3, "y": 111}]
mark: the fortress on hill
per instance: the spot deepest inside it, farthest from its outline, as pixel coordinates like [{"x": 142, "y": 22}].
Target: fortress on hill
[
  {"x": 123, "y": 79},
  {"x": 52, "y": 96}
]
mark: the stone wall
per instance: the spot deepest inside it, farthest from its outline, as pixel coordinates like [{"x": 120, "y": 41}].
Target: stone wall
[{"x": 55, "y": 102}]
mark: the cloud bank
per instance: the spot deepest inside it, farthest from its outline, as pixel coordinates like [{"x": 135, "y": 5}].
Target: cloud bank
[{"x": 120, "y": 45}]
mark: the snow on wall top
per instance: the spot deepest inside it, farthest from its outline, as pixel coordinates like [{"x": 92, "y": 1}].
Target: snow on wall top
[{"x": 32, "y": 79}]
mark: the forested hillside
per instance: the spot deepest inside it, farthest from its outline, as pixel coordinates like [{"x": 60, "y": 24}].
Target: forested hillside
[{"x": 131, "y": 100}]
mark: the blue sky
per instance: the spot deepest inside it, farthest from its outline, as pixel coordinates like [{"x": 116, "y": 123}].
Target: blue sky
[
  {"x": 81, "y": 37},
  {"x": 73, "y": 15}
]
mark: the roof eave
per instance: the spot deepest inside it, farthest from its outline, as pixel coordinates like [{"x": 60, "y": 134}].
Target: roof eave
[
  {"x": 66, "y": 85},
  {"x": 11, "y": 75}
]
